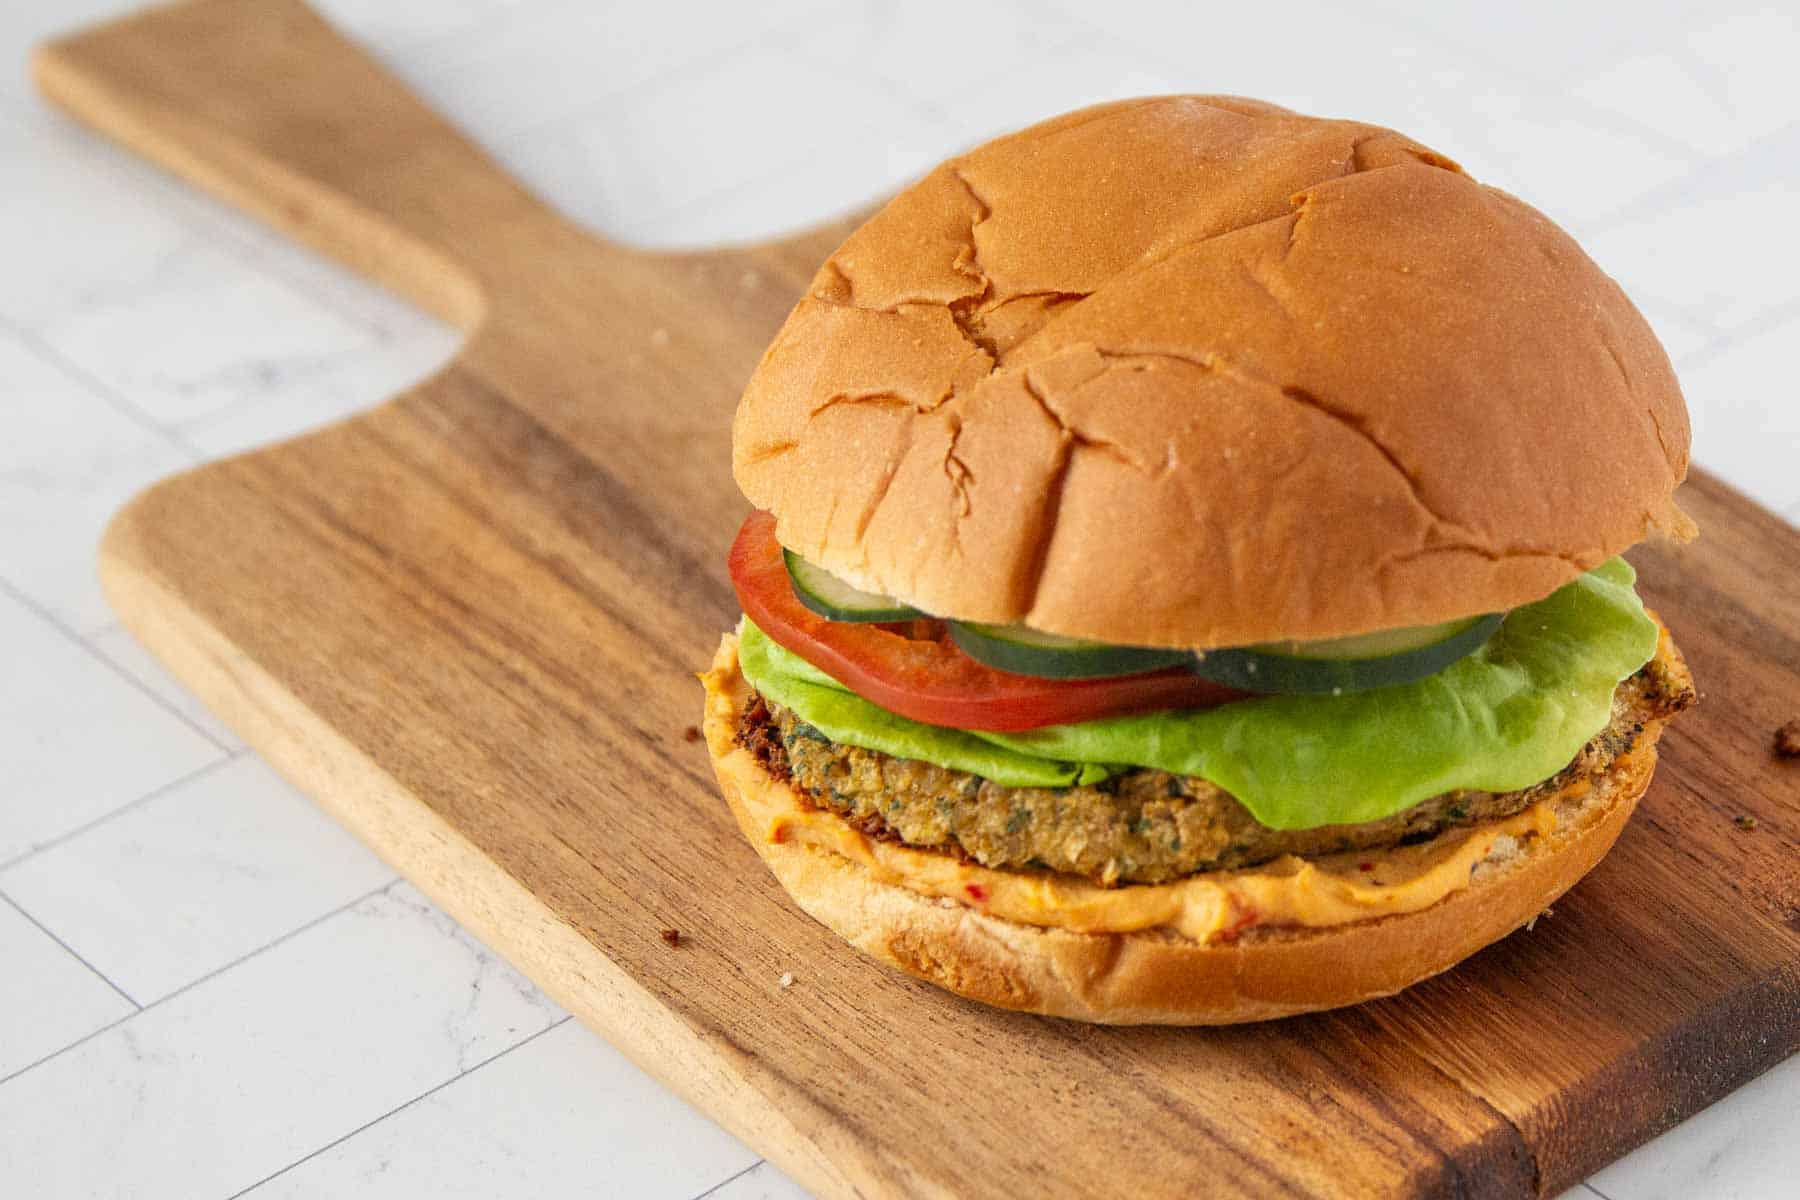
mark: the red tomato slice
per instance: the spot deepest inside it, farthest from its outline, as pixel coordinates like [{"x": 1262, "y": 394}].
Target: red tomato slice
[{"x": 931, "y": 680}]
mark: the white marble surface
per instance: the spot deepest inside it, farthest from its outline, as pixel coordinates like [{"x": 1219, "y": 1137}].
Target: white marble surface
[{"x": 206, "y": 989}]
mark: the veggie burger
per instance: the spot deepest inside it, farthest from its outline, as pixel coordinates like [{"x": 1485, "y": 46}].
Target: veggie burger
[{"x": 1183, "y": 580}]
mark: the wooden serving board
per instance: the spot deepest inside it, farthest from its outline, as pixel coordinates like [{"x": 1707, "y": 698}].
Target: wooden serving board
[{"x": 467, "y": 621}]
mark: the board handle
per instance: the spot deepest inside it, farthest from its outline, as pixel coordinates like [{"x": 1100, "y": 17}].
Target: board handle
[{"x": 266, "y": 105}]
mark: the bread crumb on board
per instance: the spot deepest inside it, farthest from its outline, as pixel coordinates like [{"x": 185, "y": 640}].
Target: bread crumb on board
[
  {"x": 1532, "y": 924},
  {"x": 691, "y": 734},
  {"x": 672, "y": 936},
  {"x": 786, "y": 981},
  {"x": 1745, "y": 823},
  {"x": 1787, "y": 740}
]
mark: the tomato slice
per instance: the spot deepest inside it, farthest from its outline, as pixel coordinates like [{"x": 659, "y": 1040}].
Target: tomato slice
[{"x": 927, "y": 678}]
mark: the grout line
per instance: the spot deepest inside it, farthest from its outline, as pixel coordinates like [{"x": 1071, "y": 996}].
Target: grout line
[
  {"x": 97, "y": 387},
  {"x": 70, "y": 632},
  {"x": 942, "y": 103},
  {"x": 1717, "y": 336},
  {"x": 642, "y": 92},
  {"x": 210, "y": 975},
  {"x": 1680, "y": 191},
  {"x": 1531, "y": 92},
  {"x": 1708, "y": 76},
  {"x": 402, "y": 47},
  {"x": 47, "y": 932},
  {"x": 1767, "y": 321},
  {"x": 312, "y": 369},
  {"x": 202, "y": 214},
  {"x": 243, "y": 233},
  {"x": 908, "y": 97},
  {"x": 1660, "y": 312},
  {"x": 245, "y": 244},
  {"x": 588, "y": 110},
  {"x": 732, "y": 1178},
  {"x": 877, "y": 191},
  {"x": 1539, "y": 89},
  {"x": 699, "y": 202},
  {"x": 103, "y": 818},
  {"x": 499, "y": 1054}
]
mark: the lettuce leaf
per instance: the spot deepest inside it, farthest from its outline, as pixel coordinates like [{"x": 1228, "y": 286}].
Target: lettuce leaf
[
  {"x": 841, "y": 715},
  {"x": 1508, "y": 716}
]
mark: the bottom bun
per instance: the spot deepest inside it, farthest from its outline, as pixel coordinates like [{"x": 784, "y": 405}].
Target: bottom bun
[{"x": 1157, "y": 976}]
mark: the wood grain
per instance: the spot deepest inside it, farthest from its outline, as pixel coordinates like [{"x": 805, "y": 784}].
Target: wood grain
[{"x": 466, "y": 623}]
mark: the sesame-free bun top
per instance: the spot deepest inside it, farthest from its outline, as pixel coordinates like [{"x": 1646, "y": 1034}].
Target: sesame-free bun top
[{"x": 1199, "y": 371}]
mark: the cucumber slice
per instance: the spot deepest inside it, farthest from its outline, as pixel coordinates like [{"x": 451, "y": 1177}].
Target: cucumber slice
[
  {"x": 1028, "y": 652},
  {"x": 831, "y": 597},
  {"x": 1351, "y": 664}
]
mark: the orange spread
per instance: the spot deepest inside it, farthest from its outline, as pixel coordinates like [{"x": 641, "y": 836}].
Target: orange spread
[{"x": 1217, "y": 905}]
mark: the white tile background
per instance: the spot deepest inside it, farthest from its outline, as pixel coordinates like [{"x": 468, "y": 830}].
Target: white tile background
[{"x": 206, "y": 989}]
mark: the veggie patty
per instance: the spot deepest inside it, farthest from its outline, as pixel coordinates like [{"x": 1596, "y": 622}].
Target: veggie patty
[{"x": 1143, "y": 826}]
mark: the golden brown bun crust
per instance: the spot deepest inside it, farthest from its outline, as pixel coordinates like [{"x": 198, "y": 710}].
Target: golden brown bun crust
[
  {"x": 1200, "y": 371},
  {"x": 1156, "y": 976},
  {"x": 1153, "y": 979}
]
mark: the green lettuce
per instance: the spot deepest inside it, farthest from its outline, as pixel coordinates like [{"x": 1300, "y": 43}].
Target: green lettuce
[
  {"x": 841, "y": 715},
  {"x": 1507, "y": 716}
]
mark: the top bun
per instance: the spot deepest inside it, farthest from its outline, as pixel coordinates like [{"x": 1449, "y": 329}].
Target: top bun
[{"x": 1199, "y": 371}]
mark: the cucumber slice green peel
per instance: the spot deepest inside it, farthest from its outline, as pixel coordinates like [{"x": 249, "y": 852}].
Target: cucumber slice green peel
[
  {"x": 1352, "y": 664},
  {"x": 831, "y": 597},
  {"x": 1358, "y": 663},
  {"x": 1024, "y": 651}
]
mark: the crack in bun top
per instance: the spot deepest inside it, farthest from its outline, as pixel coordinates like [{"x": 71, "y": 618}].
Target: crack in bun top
[{"x": 1199, "y": 371}]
